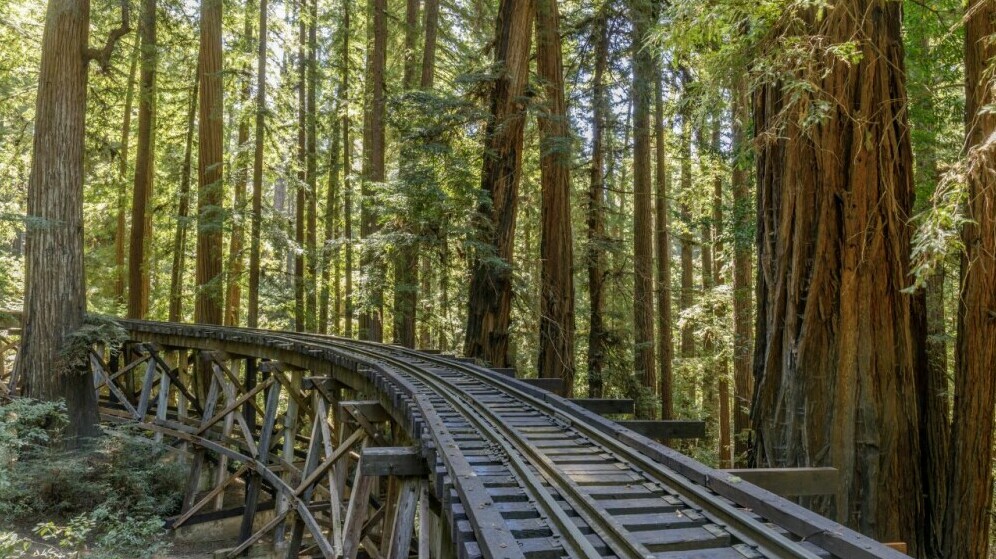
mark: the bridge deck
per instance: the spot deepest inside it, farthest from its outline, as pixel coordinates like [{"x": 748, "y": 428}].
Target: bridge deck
[{"x": 508, "y": 470}]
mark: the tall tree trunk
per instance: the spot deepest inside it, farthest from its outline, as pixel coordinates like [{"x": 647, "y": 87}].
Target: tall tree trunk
[
  {"x": 967, "y": 521},
  {"x": 121, "y": 273},
  {"x": 406, "y": 262},
  {"x": 933, "y": 381},
  {"x": 556, "y": 344},
  {"x": 743, "y": 380},
  {"x": 183, "y": 210},
  {"x": 490, "y": 294},
  {"x": 662, "y": 237},
  {"x": 255, "y": 244},
  {"x": 411, "y": 37},
  {"x": 236, "y": 260},
  {"x": 431, "y": 25},
  {"x": 300, "y": 203},
  {"x": 722, "y": 366},
  {"x": 687, "y": 297},
  {"x": 311, "y": 249},
  {"x": 52, "y": 364},
  {"x": 836, "y": 356},
  {"x": 597, "y": 333},
  {"x": 643, "y": 238},
  {"x": 210, "y": 193},
  {"x": 347, "y": 171},
  {"x": 141, "y": 218},
  {"x": 371, "y": 318},
  {"x": 328, "y": 320}
]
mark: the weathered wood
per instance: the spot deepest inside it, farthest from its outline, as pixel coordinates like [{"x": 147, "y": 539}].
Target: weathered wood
[
  {"x": 218, "y": 490},
  {"x": 392, "y": 461},
  {"x": 195, "y": 468},
  {"x": 606, "y": 405},
  {"x": 369, "y": 409},
  {"x": 507, "y": 371},
  {"x": 423, "y": 522},
  {"x": 790, "y": 482},
  {"x": 404, "y": 519},
  {"x": 310, "y": 463},
  {"x": 266, "y": 434},
  {"x": 670, "y": 429},
  {"x": 554, "y": 385},
  {"x": 356, "y": 512}
]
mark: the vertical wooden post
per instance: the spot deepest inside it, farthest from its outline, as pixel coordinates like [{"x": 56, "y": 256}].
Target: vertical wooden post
[
  {"x": 423, "y": 520},
  {"x": 265, "y": 436},
  {"x": 403, "y": 521},
  {"x": 195, "y": 467},
  {"x": 290, "y": 433},
  {"x": 356, "y": 512}
]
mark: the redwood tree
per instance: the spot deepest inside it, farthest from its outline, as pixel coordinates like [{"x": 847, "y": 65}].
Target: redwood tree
[
  {"x": 141, "y": 217},
  {"x": 597, "y": 332},
  {"x": 490, "y": 296},
  {"x": 968, "y": 515},
  {"x": 210, "y": 188},
  {"x": 556, "y": 348},
  {"x": 52, "y": 359},
  {"x": 371, "y": 319},
  {"x": 836, "y": 345}
]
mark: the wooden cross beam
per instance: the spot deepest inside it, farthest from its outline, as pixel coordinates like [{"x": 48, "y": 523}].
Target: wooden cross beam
[
  {"x": 605, "y": 406},
  {"x": 555, "y": 385},
  {"x": 666, "y": 429},
  {"x": 791, "y": 482},
  {"x": 399, "y": 461}
]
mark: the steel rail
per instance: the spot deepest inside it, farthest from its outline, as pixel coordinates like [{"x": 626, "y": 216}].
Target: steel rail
[
  {"x": 618, "y": 538},
  {"x": 738, "y": 522}
]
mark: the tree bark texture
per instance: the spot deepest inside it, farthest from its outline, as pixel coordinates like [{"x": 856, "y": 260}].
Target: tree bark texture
[
  {"x": 240, "y": 179},
  {"x": 210, "y": 193},
  {"x": 556, "y": 351},
  {"x": 371, "y": 317},
  {"x": 968, "y": 517},
  {"x": 121, "y": 271},
  {"x": 406, "y": 282},
  {"x": 347, "y": 182},
  {"x": 743, "y": 245},
  {"x": 311, "y": 234},
  {"x": 145, "y": 169},
  {"x": 300, "y": 187},
  {"x": 490, "y": 295},
  {"x": 835, "y": 360},
  {"x": 183, "y": 210},
  {"x": 255, "y": 245},
  {"x": 597, "y": 274},
  {"x": 662, "y": 240},
  {"x": 55, "y": 293}
]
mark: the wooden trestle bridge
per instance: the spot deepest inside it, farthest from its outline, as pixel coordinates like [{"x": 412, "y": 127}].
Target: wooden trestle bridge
[{"x": 332, "y": 447}]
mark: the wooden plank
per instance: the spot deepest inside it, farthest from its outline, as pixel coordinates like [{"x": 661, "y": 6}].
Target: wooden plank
[
  {"x": 555, "y": 385},
  {"x": 392, "y": 461},
  {"x": 423, "y": 515},
  {"x": 790, "y": 482},
  {"x": 666, "y": 429},
  {"x": 404, "y": 519},
  {"x": 507, "y": 371},
  {"x": 310, "y": 463},
  {"x": 255, "y": 481},
  {"x": 356, "y": 512},
  {"x": 605, "y": 406},
  {"x": 370, "y": 409}
]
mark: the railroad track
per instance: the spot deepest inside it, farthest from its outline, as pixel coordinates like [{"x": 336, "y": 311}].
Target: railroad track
[{"x": 522, "y": 473}]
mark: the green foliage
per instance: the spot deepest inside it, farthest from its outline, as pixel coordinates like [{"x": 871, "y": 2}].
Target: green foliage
[{"x": 109, "y": 500}]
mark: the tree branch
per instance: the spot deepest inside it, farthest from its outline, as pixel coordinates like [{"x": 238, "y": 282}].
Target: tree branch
[{"x": 103, "y": 55}]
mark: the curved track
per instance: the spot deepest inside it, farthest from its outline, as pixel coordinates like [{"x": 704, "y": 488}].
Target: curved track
[{"x": 517, "y": 471}]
